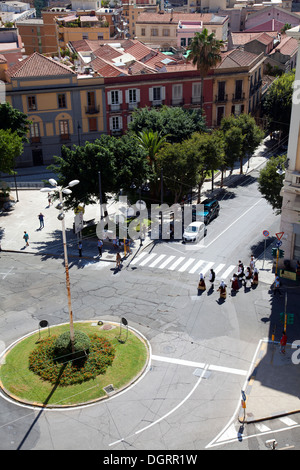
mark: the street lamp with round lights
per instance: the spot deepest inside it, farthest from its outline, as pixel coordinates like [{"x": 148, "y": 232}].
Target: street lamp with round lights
[{"x": 61, "y": 217}]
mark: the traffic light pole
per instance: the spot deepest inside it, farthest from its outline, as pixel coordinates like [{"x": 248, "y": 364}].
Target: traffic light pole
[{"x": 277, "y": 256}]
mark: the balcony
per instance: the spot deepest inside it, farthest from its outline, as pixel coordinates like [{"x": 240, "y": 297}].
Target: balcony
[
  {"x": 35, "y": 140},
  {"x": 237, "y": 97},
  {"x": 133, "y": 105},
  {"x": 64, "y": 137},
  {"x": 196, "y": 99},
  {"x": 92, "y": 109},
  {"x": 115, "y": 108},
  {"x": 177, "y": 101},
  {"x": 221, "y": 98}
]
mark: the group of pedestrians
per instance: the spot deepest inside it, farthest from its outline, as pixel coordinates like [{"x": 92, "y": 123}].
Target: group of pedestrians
[{"x": 242, "y": 277}]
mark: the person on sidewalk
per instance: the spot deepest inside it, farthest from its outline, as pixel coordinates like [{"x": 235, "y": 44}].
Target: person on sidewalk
[
  {"x": 252, "y": 264},
  {"x": 283, "y": 342},
  {"x": 100, "y": 246},
  {"x": 41, "y": 219},
  {"x": 26, "y": 238},
  {"x": 255, "y": 278},
  {"x": 49, "y": 199},
  {"x": 234, "y": 284},
  {"x": 222, "y": 290},
  {"x": 201, "y": 283},
  {"x": 212, "y": 277},
  {"x": 277, "y": 287},
  {"x": 80, "y": 249},
  {"x": 118, "y": 260}
]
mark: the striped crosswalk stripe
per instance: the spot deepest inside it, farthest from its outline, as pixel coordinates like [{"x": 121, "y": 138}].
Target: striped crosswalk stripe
[{"x": 182, "y": 264}]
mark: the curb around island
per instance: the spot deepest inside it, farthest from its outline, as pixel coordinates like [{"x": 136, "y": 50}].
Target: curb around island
[{"x": 8, "y": 396}]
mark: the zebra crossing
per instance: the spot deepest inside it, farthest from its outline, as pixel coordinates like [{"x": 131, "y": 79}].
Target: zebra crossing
[{"x": 182, "y": 264}]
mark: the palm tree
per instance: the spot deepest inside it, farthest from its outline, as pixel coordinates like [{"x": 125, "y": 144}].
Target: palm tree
[
  {"x": 151, "y": 142},
  {"x": 204, "y": 52}
]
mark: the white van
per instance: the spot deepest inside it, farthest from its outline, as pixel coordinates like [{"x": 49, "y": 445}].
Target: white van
[{"x": 194, "y": 232}]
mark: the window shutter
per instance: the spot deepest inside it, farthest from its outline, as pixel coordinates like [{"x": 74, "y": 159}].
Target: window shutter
[
  {"x": 111, "y": 123},
  {"x": 126, "y": 96},
  {"x": 138, "y": 95},
  {"x": 163, "y": 92},
  {"x": 150, "y": 94},
  {"x": 120, "y": 96},
  {"x": 109, "y": 97}
]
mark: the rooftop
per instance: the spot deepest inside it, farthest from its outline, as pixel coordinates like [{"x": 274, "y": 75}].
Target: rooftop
[{"x": 37, "y": 65}]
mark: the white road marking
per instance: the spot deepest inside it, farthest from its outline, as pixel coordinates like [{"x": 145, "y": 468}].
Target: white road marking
[
  {"x": 166, "y": 262},
  {"x": 157, "y": 261},
  {"x": 149, "y": 257},
  {"x": 197, "y": 265},
  {"x": 186, "y": 265},
  {"x": 177, "y": 262}
]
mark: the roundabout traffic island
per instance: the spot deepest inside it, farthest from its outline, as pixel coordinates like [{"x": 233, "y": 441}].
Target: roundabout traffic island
[{"x": 44, "y": 371}]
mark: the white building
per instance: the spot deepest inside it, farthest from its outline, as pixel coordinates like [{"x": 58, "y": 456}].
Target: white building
[{"x": 290, "y": 216}]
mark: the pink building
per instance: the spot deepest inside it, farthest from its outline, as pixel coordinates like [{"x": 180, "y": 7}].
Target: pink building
[{"x": 186, "y": 31}]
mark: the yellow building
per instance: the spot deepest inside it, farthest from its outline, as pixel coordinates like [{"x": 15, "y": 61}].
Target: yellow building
[
  {"x": 237, "y": 84},
  {"x": 161, "y": 28},
  {"x": 64, "y": 108}
]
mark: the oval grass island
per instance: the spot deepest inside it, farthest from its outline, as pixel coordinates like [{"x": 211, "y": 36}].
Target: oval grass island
[{"x": 33, "y": 373}]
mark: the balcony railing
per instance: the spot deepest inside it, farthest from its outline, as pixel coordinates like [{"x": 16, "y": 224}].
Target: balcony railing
[
  {"x": 115, "y": 107},
  {"x": 64, "y": 137},
  {"x": 177, "y": 101},
  {"x": 238, "y": 97},
  {"x": 92, "y": 109},
  {"x": 221, "y": 98}
]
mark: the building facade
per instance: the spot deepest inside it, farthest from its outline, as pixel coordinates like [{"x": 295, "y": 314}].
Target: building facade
[{"x": 290, "y": 215}]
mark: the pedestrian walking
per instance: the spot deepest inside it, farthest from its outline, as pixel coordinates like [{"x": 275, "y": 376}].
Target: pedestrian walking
[
  {"x": 283, "y": 342},
  {"x": 100, "y": 245},
  {"x": 255, "y": 277},
  {"x": 241, "y": 272},
  {"x": 80, "y": 249},
  {"x": 144, "y": 230},
  {"x": 222, "y": 290},
  {"x": 115, "y": 243},
  {"x": 277, "y": 287},
  {"x": 234, "y": 284},
  {"x": 127, "y": 245},
  {"x": 26, "y": 238},
  {"x": 248, "y": 276},
  {"x": 252, "y": 264},
  {"x": 212, "y": 277},
  {"x": 49, "y": 199},
  {"x": 118, "y": 260},
  {"x": 201, "y": 283},
  {"x": 41, "y": 219}
]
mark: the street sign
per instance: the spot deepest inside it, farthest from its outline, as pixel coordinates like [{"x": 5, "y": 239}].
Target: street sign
[
  {"x": 243, "y": 395},
  {"x": 266, "y": 233},
  {"x": 278, "y": 244},
  {"x": 279, "y": 235}
]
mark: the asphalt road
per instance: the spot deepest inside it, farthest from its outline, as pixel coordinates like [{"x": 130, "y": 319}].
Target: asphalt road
[{"x": 201, "y": 350}]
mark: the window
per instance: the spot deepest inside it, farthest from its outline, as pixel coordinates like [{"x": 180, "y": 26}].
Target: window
[
  {"x": 177, "y": 94},
  {"x": 238, "y": 89},
  {"x": 157, "y": 94},
  {"x": 31, "y": 103},
  {"x": 34, "y": 132},
  {"x": 196, "y": 92},
  {"x": 64, "y": 129},
  {"x": 183, "y": 42},
  {"x": 115, "y": 123},
  {"x": 143, "y": 32},
  {"x": 166, "y": 32},
  {"x": 221, "y": 91},
  {"x": 154, "y": 32},
  {"x": 93, "y": 124},
  {"x": 85, "y": 36},
  {"x": 62, "y": 100},
  {"x": 115, "y": 97}
]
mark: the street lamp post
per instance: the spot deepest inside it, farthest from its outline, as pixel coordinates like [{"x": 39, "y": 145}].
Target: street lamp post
[{"x": 61, "y": 217}]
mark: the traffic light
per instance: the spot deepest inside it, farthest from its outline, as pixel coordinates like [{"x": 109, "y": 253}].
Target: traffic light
[
  {"x": 281, "y": 253},
  {"x": 274, "y": 252}
]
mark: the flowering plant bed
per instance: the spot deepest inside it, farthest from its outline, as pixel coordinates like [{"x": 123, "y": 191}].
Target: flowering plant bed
[{"x": 32, "y": 375}]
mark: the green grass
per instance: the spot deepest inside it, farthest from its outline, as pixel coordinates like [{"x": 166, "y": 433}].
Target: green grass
[{"x": 19, "y": 382}]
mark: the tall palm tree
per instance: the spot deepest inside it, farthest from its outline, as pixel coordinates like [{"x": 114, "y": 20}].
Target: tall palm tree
[
  {"x": 151, "y": 142},
  {"x": 204, "y": 52}
]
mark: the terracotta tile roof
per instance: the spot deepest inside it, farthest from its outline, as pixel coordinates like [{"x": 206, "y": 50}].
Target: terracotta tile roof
[
  {"x": 105, "y": 69},
  {"x": 271, "y": 25},
  {"x": 2, "y": 59},
  {"x": 287, "y": 46},
  {"x": 85, "y": 45},
  {"x": 107, "y": 52},
  {"x": 239, "y": 39},
  {"x": 236, "y": 58},
  {"x": 176, "y": 16},
  {"x": 37, "y": 65},
  {"x": 139, "y": 51}
]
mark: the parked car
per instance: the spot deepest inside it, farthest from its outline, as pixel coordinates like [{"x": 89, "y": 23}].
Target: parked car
[
  {"x": 194, "y": 232},
  {"x": 210, "y": 212}
]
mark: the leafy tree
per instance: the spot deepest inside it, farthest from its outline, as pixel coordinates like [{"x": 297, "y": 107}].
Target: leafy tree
[
  {"x": 277, "y": 105},
  {"x": 120, "y": 161},
  {"x": 15, "y": 120},
  {"x": 204, "y": 52},
  {"x": 270, "y": 182},
  {"x": 180, "y": 163},
  {"x": 252, "y": 134},
  {"x": 11, "y": 147},
  {"x": 233, "y": 148},
  {"x": 175, "y": 123},
  {"x": 208, "y": 151}
]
